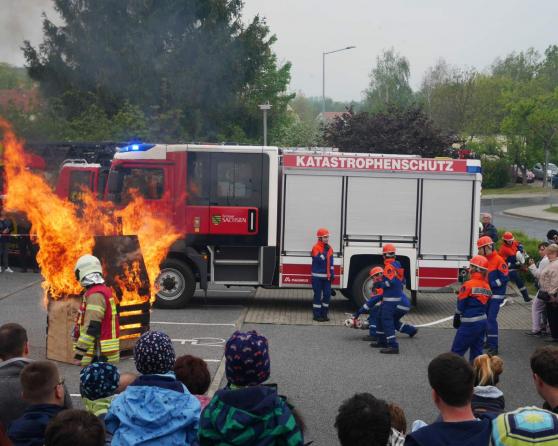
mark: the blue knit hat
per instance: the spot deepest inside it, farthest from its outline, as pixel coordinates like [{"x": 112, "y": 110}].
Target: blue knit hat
[
  {"x": 98, "y": 380},
  {"x": 154, "y": 353},
  {"x": 247, "y": 359},
  {"x": 525, "y": 426}
]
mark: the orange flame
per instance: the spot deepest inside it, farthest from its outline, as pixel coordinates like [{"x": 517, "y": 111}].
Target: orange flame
[{"x": 64, "y": 234}]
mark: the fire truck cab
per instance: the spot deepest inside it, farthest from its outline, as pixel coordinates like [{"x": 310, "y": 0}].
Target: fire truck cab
[{"x": 248, "y": 214}]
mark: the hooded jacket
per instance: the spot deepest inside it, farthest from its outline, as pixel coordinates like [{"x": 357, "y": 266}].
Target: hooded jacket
[
  {"x": 488, "y": 401},
  {"x": 12, "y": 405},
  {"x": 29, "y": 430},
  {"x": 254, "y": 416},
  {"x": 462, "y": 433},
  {"x": 154, "y": 410}
]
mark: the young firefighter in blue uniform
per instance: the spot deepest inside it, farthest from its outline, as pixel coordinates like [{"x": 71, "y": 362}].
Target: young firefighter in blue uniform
[
  {"x": 470, "y": 317},
  {"x": 497, "y": 279},
  {"x": 322, "y": 275},
  {"x": 392, "y": 288},
  {"x": 405, "y": 305},
  {"x": 372, "y": 304},
  {"x": 402, "y": 308},
  {"x": 510, "y": 251}
]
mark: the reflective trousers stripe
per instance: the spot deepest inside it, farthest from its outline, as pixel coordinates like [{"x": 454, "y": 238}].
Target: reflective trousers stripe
[
  {"x": 474, "y": 319},
  {"x": 392, "y": 299}
]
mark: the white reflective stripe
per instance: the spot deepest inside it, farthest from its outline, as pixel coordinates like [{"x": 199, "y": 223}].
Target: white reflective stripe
[
  {"x": 498, "y": 282},
  {"x": 390, "y": 337},
  {"x": 372, "y": 326},
  {"x": 325, "y": 305},
  {"x": 401, "y": 307},
  {"x": 402, "y": 325},
  {"x": 386, "y": 283},
  {"x": 492, "y": 336},
  {"x": 317, "y": 306},
  {"x": 379, "y": 332},
  {"x": 378, "y": 303},
  {"x": 392, "y": 299},
  {"x": 522, "y": 289},
  {"x": 498, "y": 297},
  {"x": 474, "y": 319},
  {"x": 319, "y": 275},
  {"x": 366, "y": 307}
]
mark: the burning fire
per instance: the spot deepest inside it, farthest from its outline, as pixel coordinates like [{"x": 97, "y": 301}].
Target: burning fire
[{"x": 64, "y": 234}]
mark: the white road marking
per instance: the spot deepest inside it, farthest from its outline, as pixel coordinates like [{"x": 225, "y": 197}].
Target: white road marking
[
  {"x": 202, "y": 342},
  {"x": 202, "y": 324}
]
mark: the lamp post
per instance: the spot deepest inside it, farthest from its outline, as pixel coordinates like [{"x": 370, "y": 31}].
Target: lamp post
[
  {"x": 323, "y": 73},
  {"x": 264, "y": 108}
]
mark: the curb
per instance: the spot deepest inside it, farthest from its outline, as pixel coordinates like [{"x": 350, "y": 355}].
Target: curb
[
  {"x": 220, "y": 373},
  {"x": 29, "y": 285},
  {"x": 532, "y": 217}
]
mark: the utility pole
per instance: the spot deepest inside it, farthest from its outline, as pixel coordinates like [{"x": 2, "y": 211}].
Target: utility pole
[{"x": 324, "y": 54}]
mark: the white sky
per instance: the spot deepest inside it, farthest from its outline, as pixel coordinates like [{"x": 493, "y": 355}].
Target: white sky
[{"x": 467, "y": 33}]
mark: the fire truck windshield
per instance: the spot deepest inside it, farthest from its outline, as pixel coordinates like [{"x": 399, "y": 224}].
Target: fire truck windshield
[{"x": 125, "y": 181}]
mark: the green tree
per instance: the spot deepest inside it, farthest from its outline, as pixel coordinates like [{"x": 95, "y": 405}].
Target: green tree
[
  {"x": 14, "y": 77},
  {"x": 389, "y": 83},
  {"x": 193, "y": 67},
  {"x": 519, "y": 67}
]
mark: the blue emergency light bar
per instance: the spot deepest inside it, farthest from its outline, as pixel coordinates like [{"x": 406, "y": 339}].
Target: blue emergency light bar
[{"x": 136, "y": 147}]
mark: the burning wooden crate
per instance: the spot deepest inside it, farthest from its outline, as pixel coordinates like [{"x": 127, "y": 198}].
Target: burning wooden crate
[{"x": 124, "y": 272}]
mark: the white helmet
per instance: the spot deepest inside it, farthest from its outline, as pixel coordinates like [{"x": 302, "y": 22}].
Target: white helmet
[{"x": 87, "y": 264}]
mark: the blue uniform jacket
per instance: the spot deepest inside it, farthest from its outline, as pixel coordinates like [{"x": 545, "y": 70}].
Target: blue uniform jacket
[
  {"x": 391, "y": 284},
  {"x": 370, "y": 303},
  {"x": 320, "y": 260},
  {"x": 497, "y": 274},
  {"x": 473, "y": 297}
]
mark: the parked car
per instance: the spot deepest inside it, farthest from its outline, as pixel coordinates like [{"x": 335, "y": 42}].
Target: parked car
[
  {"x": 517, "y": 173},
  {"x": 538, "y": 170}
]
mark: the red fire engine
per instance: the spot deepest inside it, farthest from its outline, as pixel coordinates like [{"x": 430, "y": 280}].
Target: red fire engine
[{"x": 249, "y": 214}]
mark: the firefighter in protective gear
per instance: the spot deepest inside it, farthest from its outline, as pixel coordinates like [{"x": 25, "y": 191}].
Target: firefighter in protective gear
[
  {"x": 470, "y": 317},
  {"x": 392, "y": 287},
  {"x": 97, "y": 330},
  {"x": 322, "y": 275},
  {"x": 372, "y": 305},
  {"x": 512, "y": 252},
  {"x": 389, "y": 253},
  {"x": 497, "y": 278}
]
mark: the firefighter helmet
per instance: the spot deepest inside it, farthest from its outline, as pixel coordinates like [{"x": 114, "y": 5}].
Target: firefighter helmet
[
  {"x": 322, "y": 232},
  {"x": 480, "y": 262},
  {"x": 485, "y": 240},
  {"x": 389, "y": 250},
  {"x": 507, "y": 237},
  {"x": 376, "y": 270},
  {"x": 87, "y": 264}
]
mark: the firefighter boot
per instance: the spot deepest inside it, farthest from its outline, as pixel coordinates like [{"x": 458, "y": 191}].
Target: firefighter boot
[
  {"x": 390, "y": 351},
  {"x": 525, "y": 294}
]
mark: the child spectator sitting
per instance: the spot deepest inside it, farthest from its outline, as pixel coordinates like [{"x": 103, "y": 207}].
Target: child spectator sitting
[
  {"x": 363, "y": 420},
  {"x": 43, "y": 389},
  {"x": 156, "y": 408},
  {"x": 525, "y": 426},
  {"x": 98, "y": 383},
  {"x": 451, "y": 378},
  {"x": 247, "y": 412},
  {"x": 398, "y": 419},
  {"x": 487, "y": 398},
  {"x": 75, "y": 428},
  {"x": 194, "y": 374}
]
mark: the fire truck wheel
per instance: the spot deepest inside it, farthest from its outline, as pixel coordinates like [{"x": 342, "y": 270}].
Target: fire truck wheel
[
  {"x": 362, "y": 286},
  {"x": 176, "y": 284},
  {"x": 346, "y": 292}
]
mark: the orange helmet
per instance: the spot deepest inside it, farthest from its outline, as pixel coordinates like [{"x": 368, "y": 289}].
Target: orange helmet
[
  {"x": 376, "y": 270},
  {"x": 322, "y": 232},
  {"x": 485, "y": 240},
  {"x": 389, "y": 249},
  {"x": 507, "y": 237},
  {"x": 480, "y": 262}
]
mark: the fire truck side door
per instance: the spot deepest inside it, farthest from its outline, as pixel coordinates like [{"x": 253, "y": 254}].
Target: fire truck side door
[
  {"x": 197, "y": 193},
  {"x": 236, "y": 194},
  {"x": 79, "y": 180}
]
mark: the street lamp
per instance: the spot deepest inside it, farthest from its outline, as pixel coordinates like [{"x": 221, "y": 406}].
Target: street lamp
[
  {"x": 265, "y": 107},
  {"x": 323, "y": 74}
]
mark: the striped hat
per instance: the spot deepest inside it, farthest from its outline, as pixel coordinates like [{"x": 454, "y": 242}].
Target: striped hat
[{"x": 525, "y": 426}]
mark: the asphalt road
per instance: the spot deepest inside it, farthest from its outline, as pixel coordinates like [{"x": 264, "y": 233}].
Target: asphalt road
[
  {"x": 317, "y": 367},
  {"x": 531, "y": 227}
]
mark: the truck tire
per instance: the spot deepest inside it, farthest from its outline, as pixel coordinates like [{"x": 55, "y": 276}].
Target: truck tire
[
  {"x": 362, "y": 286},
  {"x": 176, "y": 284},
  {"x": 346, "y": 292},
  {"x": 414, "y": 302}
]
